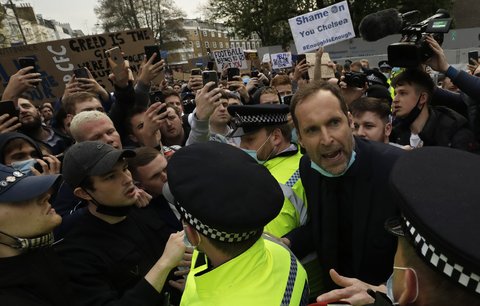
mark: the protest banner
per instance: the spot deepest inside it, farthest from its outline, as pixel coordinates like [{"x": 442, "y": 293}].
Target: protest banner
[
  {"x": 281, "y": 60},
  {"x": 326, "y": 71},
  {"x": 321, "y": 28},
  {"x": 56, "y": 60},
  {"x": 230, "y": 58}
]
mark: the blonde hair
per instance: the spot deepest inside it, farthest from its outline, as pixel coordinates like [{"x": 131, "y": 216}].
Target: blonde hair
[{"x": 83, "y": 117}]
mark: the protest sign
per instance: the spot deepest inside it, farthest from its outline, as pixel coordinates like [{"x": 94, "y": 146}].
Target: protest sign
[
  {"x": 230, "y": 58},
  {"x": 266, "y": 58},
  {"x": 281, "y": 60},
  {"x": 321, "y": 28},
  {"x": 326, "y": 71},
  {"x": 56, "y": 60},
  {"x": 250, "y": 55}
]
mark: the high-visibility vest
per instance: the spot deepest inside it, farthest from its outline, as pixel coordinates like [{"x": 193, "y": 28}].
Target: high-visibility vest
[
  {"x": 266, "y": 274},
  {"x": 294, "y": 210}
]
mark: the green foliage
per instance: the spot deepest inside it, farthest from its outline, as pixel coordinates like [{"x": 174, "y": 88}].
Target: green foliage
[
  {"x": 269, "y": 18},
  {"x": 162, "y": 16}
]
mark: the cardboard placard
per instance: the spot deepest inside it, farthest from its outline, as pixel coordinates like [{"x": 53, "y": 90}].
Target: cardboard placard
[
  {"x": 281, "y": 60},
  {"x": 230, "y": 58},
  {"x": 56, "y": 60},
  {"x": 321, "y": 28},
  {"x": 327, "y": 72},
  {"x": 266, "y": 58}
]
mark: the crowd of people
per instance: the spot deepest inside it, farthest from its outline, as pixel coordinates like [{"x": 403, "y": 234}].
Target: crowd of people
[{"x": 269, "y": 187}]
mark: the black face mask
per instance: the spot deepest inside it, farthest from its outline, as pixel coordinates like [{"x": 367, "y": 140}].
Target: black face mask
[
  {"x": 410, "y": 118},
  {"x": 121, "y": 211}
]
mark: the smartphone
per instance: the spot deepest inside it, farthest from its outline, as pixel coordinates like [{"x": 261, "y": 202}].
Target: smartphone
[
  {"x": 210, "y": 65},
  {"x": 301, "y": 57},
  {"x": 287, "y": 99},
  {"x": 210, "y": 76},
  {"x": 254, "y": 73},
  {"x": 116, "y": 55},
  {"x": 149, "y": 50},
  {"x": 472, "y": 55},
  {"x": 8, "y": 107},
  {"x": 232, "y": 72},
  {"x": 157, "y": 96},
  {"x": 196, "y": 71},
  {"x": 81, "y": 73},
  {"x": 27, "y": 62}
]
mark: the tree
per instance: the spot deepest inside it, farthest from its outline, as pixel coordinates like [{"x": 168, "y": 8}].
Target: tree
[
  {"x": 269, "y": 18},
  {"x": 162, "y": 16}
]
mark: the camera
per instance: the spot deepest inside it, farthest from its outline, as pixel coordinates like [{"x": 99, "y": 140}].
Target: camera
[
  {"x": 413, "y": 49},
  {"x": 355, "y": 79}
]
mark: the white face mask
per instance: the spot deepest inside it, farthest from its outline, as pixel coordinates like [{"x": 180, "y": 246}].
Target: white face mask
[{"x": 389, "y": 285}]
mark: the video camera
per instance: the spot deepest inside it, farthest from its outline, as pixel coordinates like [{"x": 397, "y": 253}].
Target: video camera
[{"x": 413, "y": 49}]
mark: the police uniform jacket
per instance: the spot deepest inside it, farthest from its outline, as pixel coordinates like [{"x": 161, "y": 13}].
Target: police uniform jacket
[{"x": 266, "y": 274}]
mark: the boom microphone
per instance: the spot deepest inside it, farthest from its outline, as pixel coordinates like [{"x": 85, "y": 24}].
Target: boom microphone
[{"x": 380, "y": 24}]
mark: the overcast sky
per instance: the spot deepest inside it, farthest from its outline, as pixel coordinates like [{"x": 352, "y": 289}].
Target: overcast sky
[{"x": 80, "y": 15}]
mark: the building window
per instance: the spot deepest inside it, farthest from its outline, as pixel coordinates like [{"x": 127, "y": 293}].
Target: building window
[
  {"x": 205, "y": 33},
  {"x": 195, "y": 33},
  {"x": 207, "y": 44},
  {"x": 221, "y": 45},
  {"x": 199, "y": 54},
  {"x": 219, "y": 34},
  {"x": 197, "y": 43},
  {"x": 213, "y": 34},
  {"x": 248, "y": 45},
  {"x": 183, "y": 57},
  {"x": 215, "y": 44},
  {"x": 190, "y": 44},
  {"x": 258, "y": 44},
  {"x": 243, "y": 44}
]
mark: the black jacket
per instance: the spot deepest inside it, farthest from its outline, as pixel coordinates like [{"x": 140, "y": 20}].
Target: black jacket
[
  {"x": 107, "y": 262},
  {"x": 371, "y": 204},
  {"x": 444, "y": 127},
  {"x": 34, "y": 278}
]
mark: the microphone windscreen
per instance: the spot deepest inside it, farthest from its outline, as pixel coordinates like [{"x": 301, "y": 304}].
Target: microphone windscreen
[{"x": 380, "y": 24}]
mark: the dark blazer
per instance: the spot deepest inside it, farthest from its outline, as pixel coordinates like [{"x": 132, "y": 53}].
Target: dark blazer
[{"x": 373, "y": 249}]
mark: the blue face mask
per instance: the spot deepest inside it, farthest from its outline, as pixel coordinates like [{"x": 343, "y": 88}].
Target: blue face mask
[
  {"x": 246, "y": 80},
  {"x": 253, "y": 153},
  {"x": 24, "y": 166},
  {"x": 294, "y": 136},
  {"x": 328, "y": 174}
]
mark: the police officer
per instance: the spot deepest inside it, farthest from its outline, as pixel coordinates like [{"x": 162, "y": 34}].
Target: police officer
[{"x": 223, "y": 219}]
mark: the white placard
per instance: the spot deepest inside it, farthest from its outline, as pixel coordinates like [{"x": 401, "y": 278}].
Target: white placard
[
  {"x": 230, "y": 58},
  {"x": 321, "y": 28},
  {"x": 281, "y": 60},
  {"x": 266, "y": 58}
]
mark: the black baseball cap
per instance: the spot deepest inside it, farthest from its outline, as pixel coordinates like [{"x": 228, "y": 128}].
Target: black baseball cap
[{"x": 90, "y": 158}]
